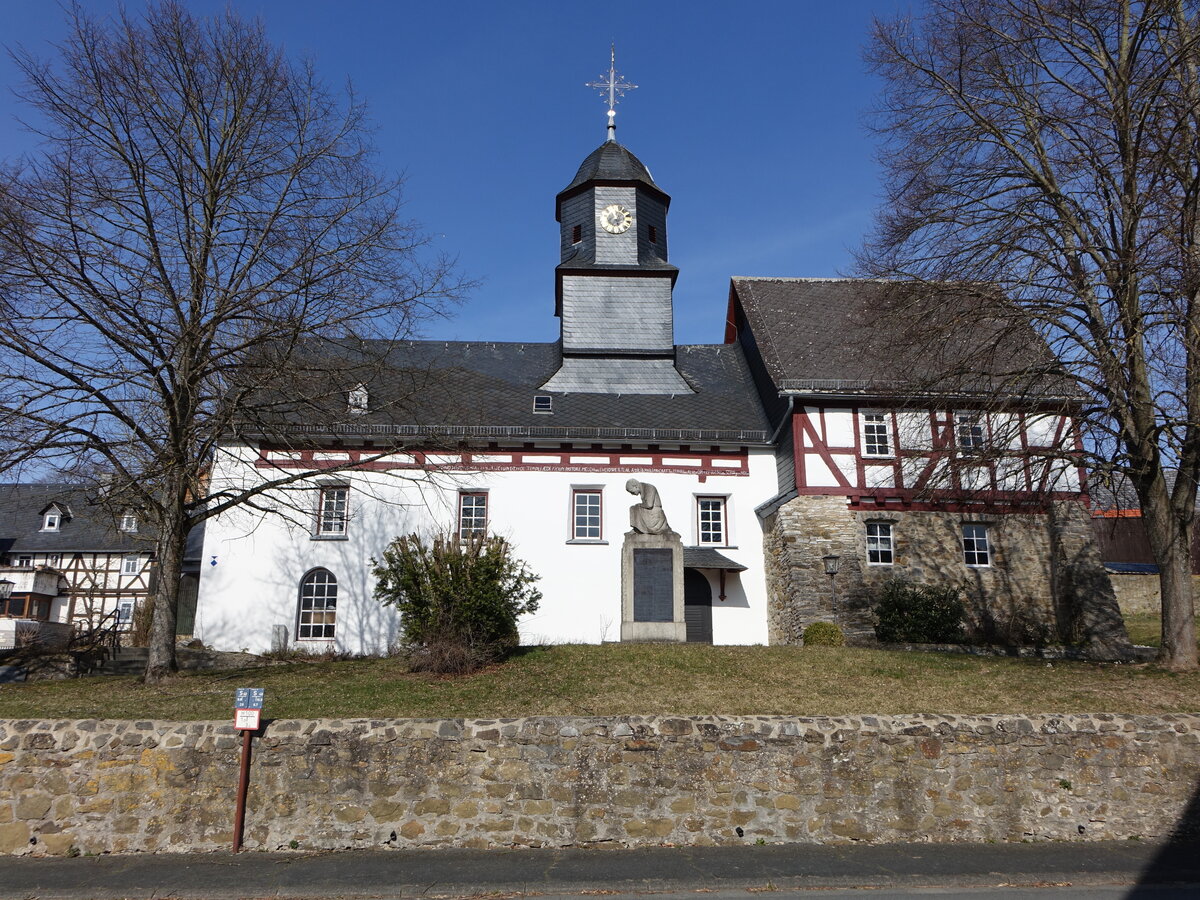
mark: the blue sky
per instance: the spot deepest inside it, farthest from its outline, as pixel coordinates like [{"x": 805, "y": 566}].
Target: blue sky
[{"x": 750, "y": 115}]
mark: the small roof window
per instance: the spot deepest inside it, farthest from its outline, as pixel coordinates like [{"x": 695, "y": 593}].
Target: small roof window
[
  {"x": 129, "y": 523},
  {"x": 357, "y": 400},
  {"x": 543, "y": 404}
]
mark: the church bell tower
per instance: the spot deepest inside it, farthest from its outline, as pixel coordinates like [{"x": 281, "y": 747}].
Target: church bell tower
[{"x": 613, "y": 284}]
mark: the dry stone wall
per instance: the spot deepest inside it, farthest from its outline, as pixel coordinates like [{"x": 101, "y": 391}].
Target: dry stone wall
[{"x": 103, "y": 786}]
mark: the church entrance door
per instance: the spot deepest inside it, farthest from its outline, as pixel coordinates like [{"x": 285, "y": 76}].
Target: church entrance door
[{"x": 697, "y": 607}]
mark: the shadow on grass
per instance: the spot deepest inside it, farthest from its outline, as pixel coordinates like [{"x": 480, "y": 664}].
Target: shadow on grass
[{"x": 531, "y": 650}]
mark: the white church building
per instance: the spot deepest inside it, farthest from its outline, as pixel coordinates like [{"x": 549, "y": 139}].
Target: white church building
[{"x": 771, "y": 455}]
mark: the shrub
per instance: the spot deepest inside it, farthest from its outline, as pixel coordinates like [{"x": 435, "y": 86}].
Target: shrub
[
  {"x": 143, "y": 618},
  {"x": 459, "y": 599},
  {"x": 824, "y": 634},
  {"x": 919, "y": 614}
]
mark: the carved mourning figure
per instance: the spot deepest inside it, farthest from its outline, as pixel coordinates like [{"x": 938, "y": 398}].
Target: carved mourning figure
[{"x": 647, "y": 516}]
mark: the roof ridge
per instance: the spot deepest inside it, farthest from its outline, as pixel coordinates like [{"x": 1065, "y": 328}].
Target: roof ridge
[{"x": 815, "y": 279}]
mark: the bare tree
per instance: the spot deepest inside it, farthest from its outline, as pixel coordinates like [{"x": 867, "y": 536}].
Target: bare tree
[
  {"x": 201, "y": 214},
  {"x": 1051, "y": 148}
]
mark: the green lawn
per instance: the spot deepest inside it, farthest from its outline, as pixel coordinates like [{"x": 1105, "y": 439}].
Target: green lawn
[
  {"x": 1144, "y": 628},
  {"x": 616, "y": 679}
]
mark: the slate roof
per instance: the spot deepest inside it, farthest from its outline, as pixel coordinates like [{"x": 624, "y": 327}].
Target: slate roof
[
  {"x": 857, "y": 335},
  {"x": 89, "y": 528},
  {"x": 486, "y": 390},
  {"x": 708, "y": 558},
  {"x": 611, "y": 162}
]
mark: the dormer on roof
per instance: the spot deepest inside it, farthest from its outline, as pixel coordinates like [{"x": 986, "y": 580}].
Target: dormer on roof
[
  {"x": 54, "y": 515},
  {"x": 357, "y": 400}
]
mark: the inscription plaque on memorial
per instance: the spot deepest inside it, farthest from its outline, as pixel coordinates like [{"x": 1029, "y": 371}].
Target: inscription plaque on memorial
[{"x": 653, "y": 586}]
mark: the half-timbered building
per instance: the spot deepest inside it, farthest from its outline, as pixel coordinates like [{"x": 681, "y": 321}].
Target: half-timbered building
[
  {"x": 69, "y": 559},
  {"x": 943, "y": 460}
]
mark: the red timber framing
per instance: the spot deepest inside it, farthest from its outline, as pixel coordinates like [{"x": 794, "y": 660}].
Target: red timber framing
[
  {"x": 923, "y": 493},
  {"x": 686, "y": 460}
]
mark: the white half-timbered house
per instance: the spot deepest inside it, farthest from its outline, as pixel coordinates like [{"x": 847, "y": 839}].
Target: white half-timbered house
[
  {"x": 948, "y": 461},
  {"x": 70, "y": 560}
]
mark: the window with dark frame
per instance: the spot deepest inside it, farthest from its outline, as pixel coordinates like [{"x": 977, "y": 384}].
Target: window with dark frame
[
  {"x": 877, "y": 438},
  {"x": 710, "y": 520},
  {"x": 969, "y": 432},
  {"x": 333, "y": 508},
  {"x": 976, "y": 550},
  {"x": 576, "y": 234},
  {"x": 472, "y": 514},
  {"x": 318, "y": 606},
  {"x": 652, "y": 234},
  {"x": 587, "y": 508},
  {"x": 879, "y": 544}
]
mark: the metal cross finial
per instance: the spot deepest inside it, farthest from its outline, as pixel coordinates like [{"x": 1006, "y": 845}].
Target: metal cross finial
[{"x": 614, "y": 86}]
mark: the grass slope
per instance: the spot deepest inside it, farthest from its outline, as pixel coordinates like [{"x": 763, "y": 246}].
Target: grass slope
[{"x": 619, "y": 679}]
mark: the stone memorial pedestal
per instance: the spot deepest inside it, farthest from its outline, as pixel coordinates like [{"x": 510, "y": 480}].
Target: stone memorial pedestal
[{"x": 652, "y": 588}]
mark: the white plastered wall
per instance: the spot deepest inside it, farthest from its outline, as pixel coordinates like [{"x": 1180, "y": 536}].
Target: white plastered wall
[{"x": 261, "y": 557}]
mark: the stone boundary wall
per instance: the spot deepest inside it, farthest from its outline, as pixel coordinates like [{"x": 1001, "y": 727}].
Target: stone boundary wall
[{"x": 108, "y": 786}]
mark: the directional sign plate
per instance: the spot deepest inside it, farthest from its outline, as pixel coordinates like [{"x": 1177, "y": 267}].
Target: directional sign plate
[{"x": 248, "y": 698}]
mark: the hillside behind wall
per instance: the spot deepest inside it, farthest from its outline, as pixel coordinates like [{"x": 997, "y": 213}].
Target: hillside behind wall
[{"x": 105, "y": 786}]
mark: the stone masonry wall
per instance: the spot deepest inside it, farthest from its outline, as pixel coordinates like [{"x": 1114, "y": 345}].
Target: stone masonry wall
[
  {"x": 1046, "y": 582},
  {"x": 103, "y": 786},
  {"x": 1139, "y": 593}
]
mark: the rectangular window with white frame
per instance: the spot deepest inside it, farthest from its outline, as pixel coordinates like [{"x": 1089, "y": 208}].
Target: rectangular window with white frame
[
  {"x": 876, "y": 434},
  {"x": 587, "y": 509},
  {"x": 472, "y": 514},
  {"x": 51, "y": 521},
  {"x": 125, "y": 612},
  {"x": 333, "y": 510},
  {"x": 977, "y": 551},
  {"x": 131, "y": 565},
  {"x": 711, "y": 524},
  {"x": 880, "y": 549},
  {"x": 969, "y": 432}
]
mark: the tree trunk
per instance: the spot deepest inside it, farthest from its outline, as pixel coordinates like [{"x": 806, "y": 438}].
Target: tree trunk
[
  {"x": 1178, "y": 649},
  {"x": 160, "y": 662},
  {"x": 1170, "y": 540}
]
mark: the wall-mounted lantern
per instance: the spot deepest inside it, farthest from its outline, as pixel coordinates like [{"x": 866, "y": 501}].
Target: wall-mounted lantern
[{"x": 831, "y": 562}]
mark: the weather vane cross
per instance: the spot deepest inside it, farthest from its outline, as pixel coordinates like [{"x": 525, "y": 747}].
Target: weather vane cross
[{"x": 614, "y": 86}]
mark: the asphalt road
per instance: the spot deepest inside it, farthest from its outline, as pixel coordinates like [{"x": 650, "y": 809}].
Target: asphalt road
[{"x": 1011, "y": 871}]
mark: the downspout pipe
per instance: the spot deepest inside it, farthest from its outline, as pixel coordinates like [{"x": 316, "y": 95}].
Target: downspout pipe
[{"x": 787, "y": 418}]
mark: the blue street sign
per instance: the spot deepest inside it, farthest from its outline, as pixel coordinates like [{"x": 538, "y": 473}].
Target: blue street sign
[{"x": 248, "y": 698}]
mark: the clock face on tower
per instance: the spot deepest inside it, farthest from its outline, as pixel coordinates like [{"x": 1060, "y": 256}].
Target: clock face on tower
[{"x": 615, "y": 219}]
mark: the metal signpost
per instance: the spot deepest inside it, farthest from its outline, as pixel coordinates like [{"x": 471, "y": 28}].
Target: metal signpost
[{"x": 247, "y": 716}]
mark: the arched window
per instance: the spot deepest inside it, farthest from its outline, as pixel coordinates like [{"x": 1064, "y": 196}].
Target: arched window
[{"x": 318, "y": 605}]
